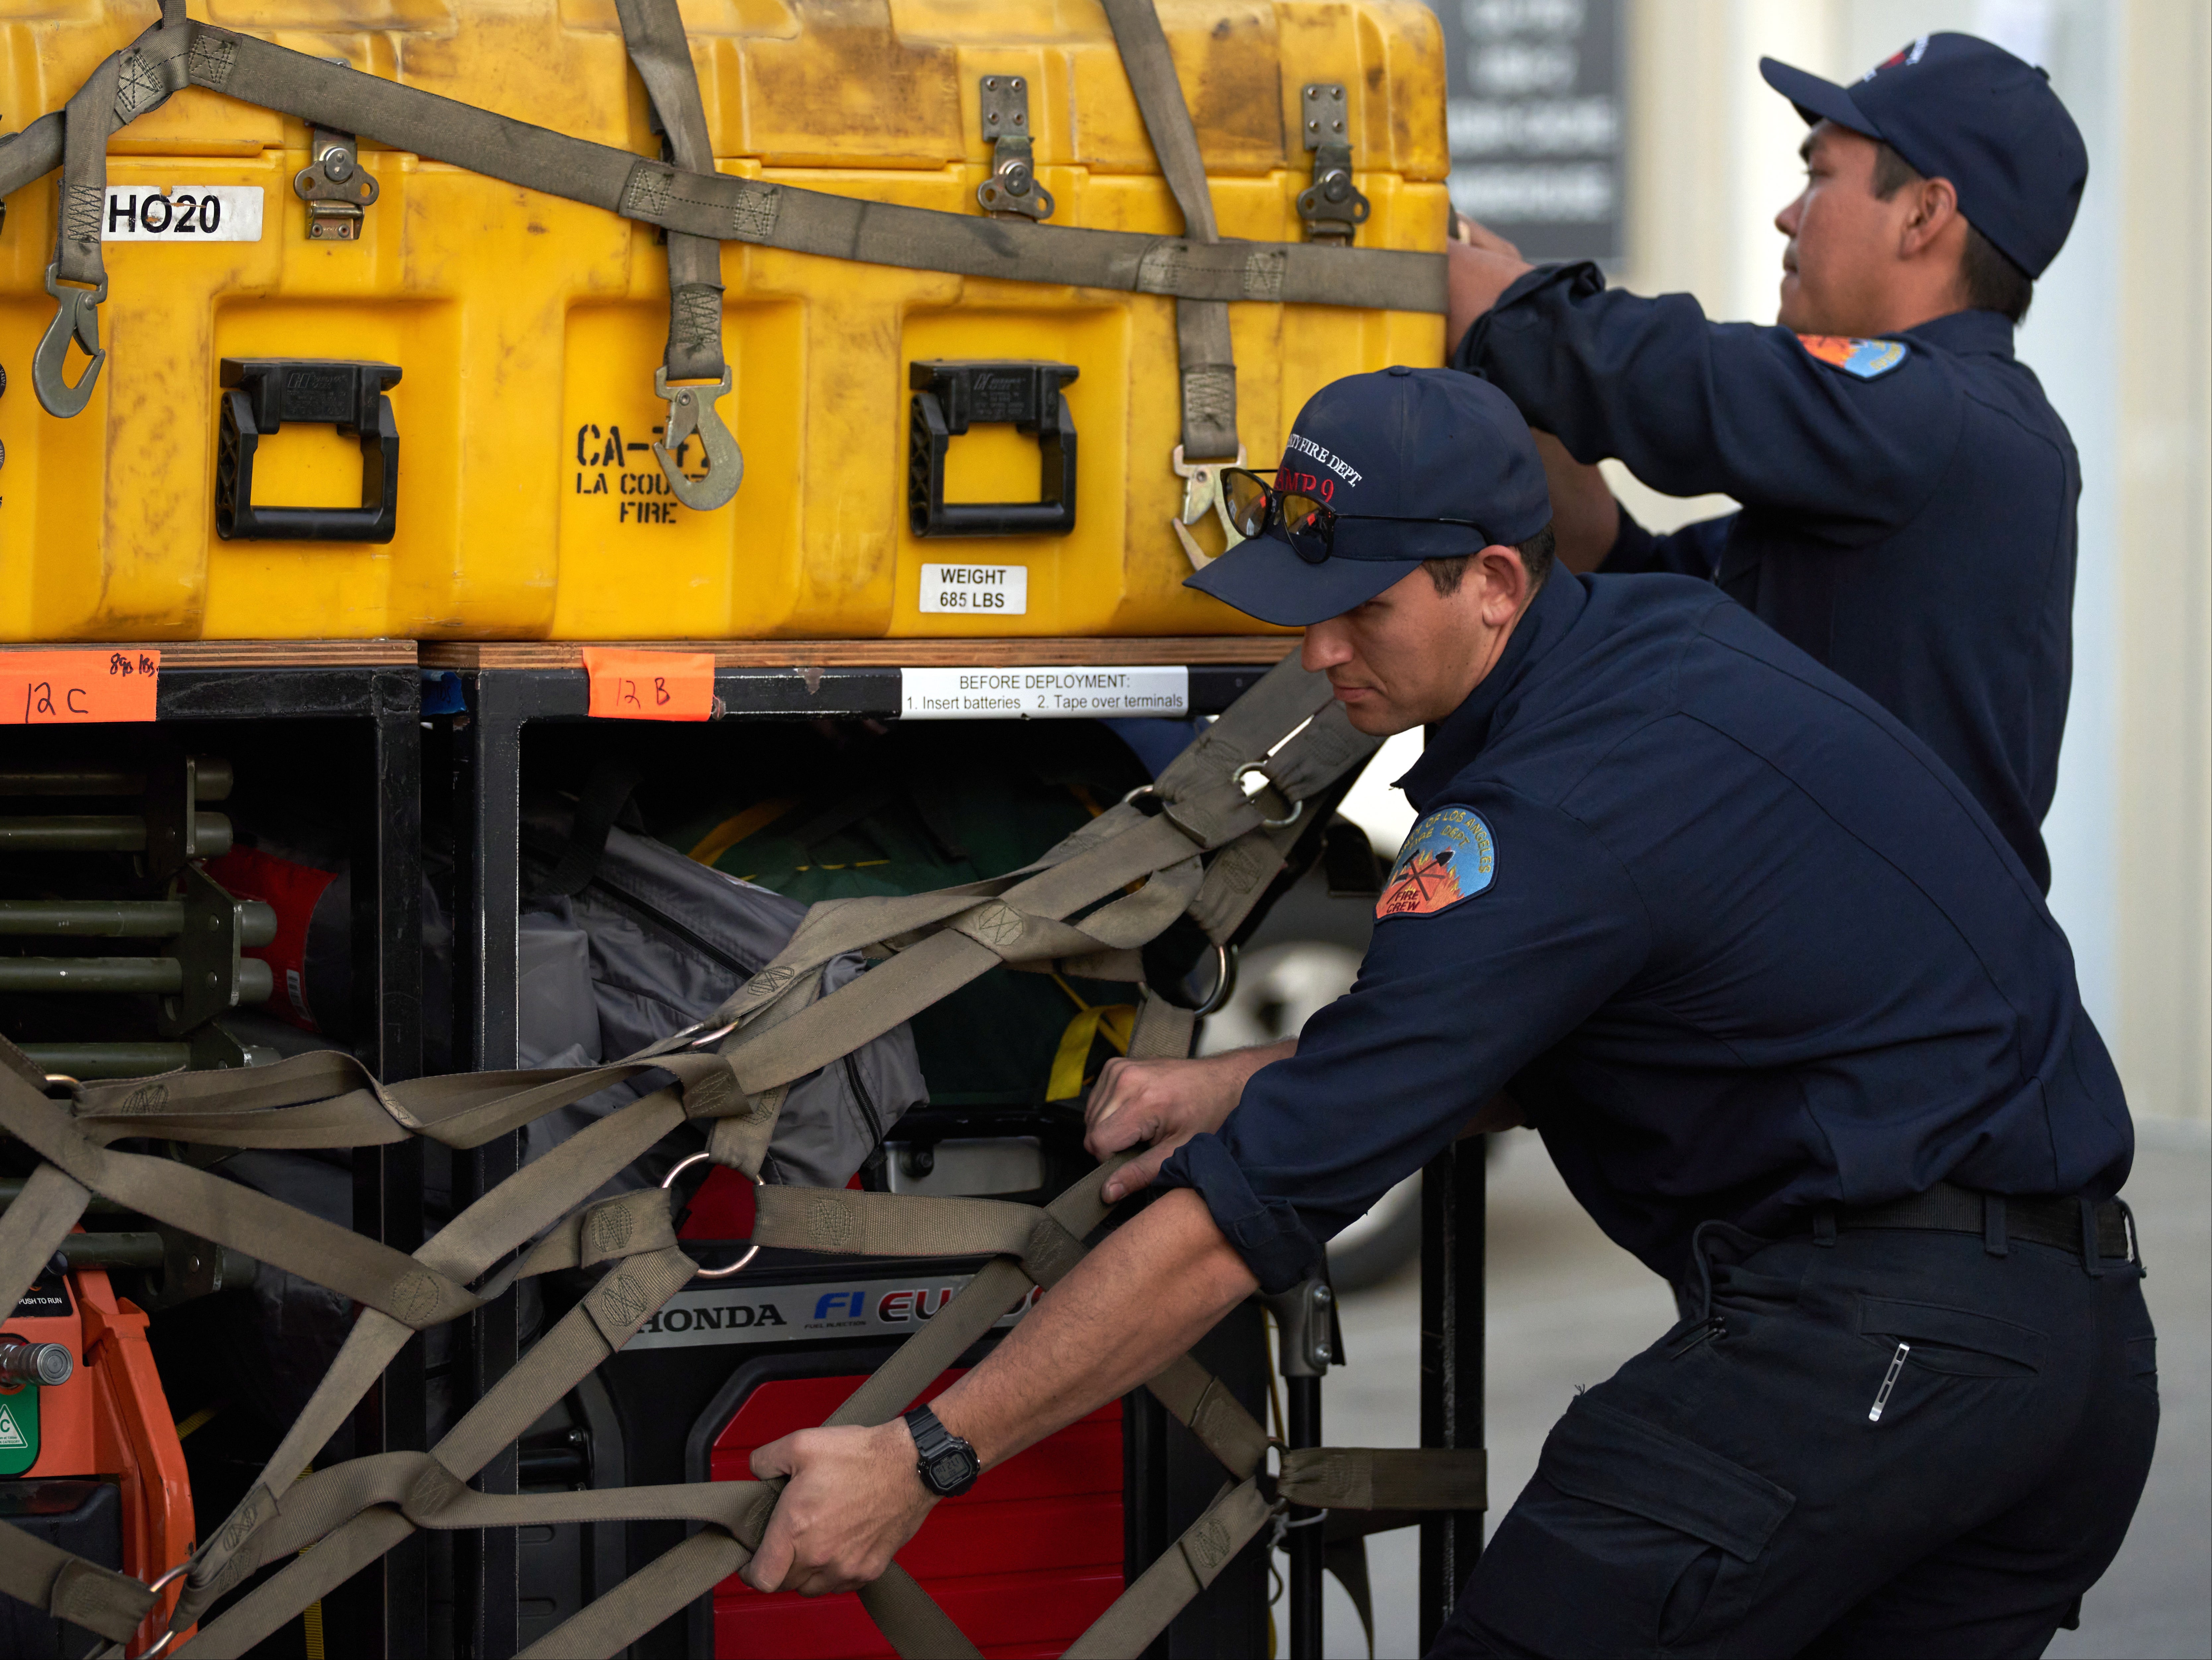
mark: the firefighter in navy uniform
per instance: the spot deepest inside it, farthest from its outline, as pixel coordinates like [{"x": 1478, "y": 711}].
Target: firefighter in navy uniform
[
  {"x": 1793, "y": 1023},
  {"x": 1908, "y": 493}
]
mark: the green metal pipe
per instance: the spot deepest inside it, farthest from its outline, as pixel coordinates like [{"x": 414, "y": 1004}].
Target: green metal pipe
[
  {"x": 100, "y": 832},
  {"x": 212, "y": 782},
  {"x": 105, "y": 1061},
  {"x": 110, "y": 919},
  {"x": 154, "y": 973},
  {"x": 71, "y": 780},
  {"x": 123, "y": 918},
  {"x": 74, "y": 832},
  {"x": 113, "y": 1250}
]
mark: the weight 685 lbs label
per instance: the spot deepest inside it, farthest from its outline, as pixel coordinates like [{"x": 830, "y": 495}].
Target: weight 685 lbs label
[
  {"x": 182, "y": 213},
  {"x": 976, "y": 590}
]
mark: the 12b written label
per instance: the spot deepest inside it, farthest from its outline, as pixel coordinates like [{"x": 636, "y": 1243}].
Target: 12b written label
[{"x": 976, "y": 590}]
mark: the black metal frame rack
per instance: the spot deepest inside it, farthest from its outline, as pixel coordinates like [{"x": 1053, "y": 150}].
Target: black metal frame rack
[
  {"x": 489, "y": 694},
  {"x": 375, "y": 682},
  {"x": 501, "y": 689}
]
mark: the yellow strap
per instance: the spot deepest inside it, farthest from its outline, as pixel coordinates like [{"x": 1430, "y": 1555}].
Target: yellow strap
[
  {"x": 734, "y": 830},
  {"x": 1113, "y": 1021}
]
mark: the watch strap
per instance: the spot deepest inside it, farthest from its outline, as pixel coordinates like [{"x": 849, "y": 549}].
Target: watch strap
[{"x": 939, "y": 1454}]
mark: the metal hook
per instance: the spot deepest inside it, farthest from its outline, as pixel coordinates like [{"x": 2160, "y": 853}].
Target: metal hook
[
  {"x": 1244, "y": 776},
  {"x": 157, "y": 1588},
  {"x": 1201, "y": 493},
  {"x": 77, "y": 318},
  {"x": 691, "y": 414},
  {"x": 669, "y": 1181},
  {"x": 1224, "y": 982}
]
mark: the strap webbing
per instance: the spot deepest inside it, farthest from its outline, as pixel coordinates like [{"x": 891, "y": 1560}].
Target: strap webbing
[
  {"x": 1203, "y": 353},
  {"x": 84, "y": 176},
  {"x": 1184, "y": 1569},
  {"x": 653, "y": 32},
  {"x": 541, "y": 1216},
  {"x": 725, "y": 207}
]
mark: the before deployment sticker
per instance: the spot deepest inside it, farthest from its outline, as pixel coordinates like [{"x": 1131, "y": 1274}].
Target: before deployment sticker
[
  {"x": 1041, "y": 693},
  {"x": 183, "y": 213}
]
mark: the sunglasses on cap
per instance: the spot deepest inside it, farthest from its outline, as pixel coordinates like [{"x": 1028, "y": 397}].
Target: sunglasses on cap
[{"x": 1308, "y": 523}]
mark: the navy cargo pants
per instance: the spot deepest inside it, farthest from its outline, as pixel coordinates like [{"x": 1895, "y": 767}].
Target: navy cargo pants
[{"x": 1733, "y": 1491}]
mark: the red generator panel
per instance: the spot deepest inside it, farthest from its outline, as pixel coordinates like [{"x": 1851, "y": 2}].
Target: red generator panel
[{"x": 1022, "y": 1563}]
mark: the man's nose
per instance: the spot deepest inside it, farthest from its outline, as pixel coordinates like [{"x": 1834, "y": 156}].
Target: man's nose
[
  {"x": 1791, "y": 216},
  {"x": 1326, "y": 647}
]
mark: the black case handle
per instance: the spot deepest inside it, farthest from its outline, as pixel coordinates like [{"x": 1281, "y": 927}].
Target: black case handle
[
  {"x": 261, "y": 394},
  {"x": 948, "y": 399}
]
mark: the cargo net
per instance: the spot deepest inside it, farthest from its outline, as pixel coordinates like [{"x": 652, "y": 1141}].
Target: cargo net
[{"x": 1205, "y": 840}]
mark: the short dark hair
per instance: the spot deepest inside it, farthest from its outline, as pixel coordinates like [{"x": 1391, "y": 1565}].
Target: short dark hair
[
  {"x": 1536, "y": 554},
  {"x": 1991, "y": 281}
]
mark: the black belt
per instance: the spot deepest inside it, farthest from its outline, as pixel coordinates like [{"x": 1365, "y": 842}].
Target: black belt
[{"x": 2063, "y": 1223}]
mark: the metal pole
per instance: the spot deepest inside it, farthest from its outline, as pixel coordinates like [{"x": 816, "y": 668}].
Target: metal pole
[
  {"x": 487, "y": 834},
  {"x": 386, "y": 1605},
  {"x": 103, "y": 832},
  {"x": 1304, "y": 1320},
  {"x": 1305, "y": 1541},
  {"x": 1452, "y": 1203}
]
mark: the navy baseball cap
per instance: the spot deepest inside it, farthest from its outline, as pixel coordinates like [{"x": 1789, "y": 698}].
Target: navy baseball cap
[
  {"x": 1391, "y": 453},
  {"x": 1958, "y": 108}
]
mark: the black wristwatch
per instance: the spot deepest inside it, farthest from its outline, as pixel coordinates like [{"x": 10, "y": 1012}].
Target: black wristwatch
[{"x": 947, "y": 1465}]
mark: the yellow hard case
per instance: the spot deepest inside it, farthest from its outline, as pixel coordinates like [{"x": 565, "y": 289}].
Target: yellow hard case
[{"x": 527, "y": 327}]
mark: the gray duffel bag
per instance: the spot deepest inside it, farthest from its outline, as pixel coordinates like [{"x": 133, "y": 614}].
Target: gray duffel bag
[{"x": 618, "y": 950}]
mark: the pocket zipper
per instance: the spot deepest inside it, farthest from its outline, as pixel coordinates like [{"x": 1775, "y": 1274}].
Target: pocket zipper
[
  {"x": 1889, "y": 1382},
  {"x": 1710, "y": 1326}
]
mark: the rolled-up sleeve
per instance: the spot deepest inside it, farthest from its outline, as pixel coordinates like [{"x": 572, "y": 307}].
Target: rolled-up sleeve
[{"x": 1447, "y": 1007}]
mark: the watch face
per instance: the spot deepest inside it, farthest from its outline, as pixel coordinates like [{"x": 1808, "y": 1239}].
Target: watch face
[{"x": 950, "y": 1468}]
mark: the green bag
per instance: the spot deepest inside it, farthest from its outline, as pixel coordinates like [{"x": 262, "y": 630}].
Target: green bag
[{"x": 917, "y": 807}]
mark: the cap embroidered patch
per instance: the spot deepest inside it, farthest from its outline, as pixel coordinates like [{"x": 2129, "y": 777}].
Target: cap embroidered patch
[
  {"x": 1450, "y": 856},
  {"x": 1870, "y": 360}
]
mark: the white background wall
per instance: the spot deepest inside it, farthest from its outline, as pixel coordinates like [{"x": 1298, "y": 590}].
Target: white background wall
[{"x": 2117, "y": 334}]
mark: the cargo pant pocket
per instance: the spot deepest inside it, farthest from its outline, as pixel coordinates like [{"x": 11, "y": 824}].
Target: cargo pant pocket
[
  {"x": 1959, "y": 1341},
  {"x": 1630, "y": 1539},
  {"x": 2143, "y": 1364}
]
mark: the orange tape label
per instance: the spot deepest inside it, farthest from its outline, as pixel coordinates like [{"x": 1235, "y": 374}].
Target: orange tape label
[
  {"x": 60, "y": 688},
  {"x": 650, "y": 685}
]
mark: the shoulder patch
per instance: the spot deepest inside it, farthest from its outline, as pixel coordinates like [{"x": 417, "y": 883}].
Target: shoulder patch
[
  {"x": 1870, "y": 360},
  {"x": 1450, "y": 856}
]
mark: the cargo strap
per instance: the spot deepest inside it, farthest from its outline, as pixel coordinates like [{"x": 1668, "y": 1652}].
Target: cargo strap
[
  {"x": 687, "y": 199},
  {"x": 1221, "y": 821},
  {"x": 1202, "y": 347},
  {"x": 653, "y": 33},
  {"x": 1238, "y": 793}
]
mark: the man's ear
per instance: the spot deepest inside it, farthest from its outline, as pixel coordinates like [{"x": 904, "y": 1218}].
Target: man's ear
[
  {"x": 1505, "y": 586},
  {"x": 1935, "y": 205}
]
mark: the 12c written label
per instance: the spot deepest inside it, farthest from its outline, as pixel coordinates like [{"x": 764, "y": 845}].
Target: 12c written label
[
  {"x": 183, "y": 213},
  {"x": 1040, "y": 693},
  {"x": 976, "y": 590},
  {"x": 62, "y": 688}
]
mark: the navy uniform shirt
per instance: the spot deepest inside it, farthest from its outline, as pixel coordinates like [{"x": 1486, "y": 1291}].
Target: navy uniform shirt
[
  {"x": 1908, "y": 505},
  {"x": 1741, "y": 945}
]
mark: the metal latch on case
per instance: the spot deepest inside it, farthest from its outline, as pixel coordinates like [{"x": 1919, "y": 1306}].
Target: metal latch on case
[
  {"x": 950, "y": 396},
  {"x": 334, "y": 185},
  {"x": 1332, "y": 205},
  {"x": 1013, "y": 186},
  {"x": 260, "y": 394}
]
